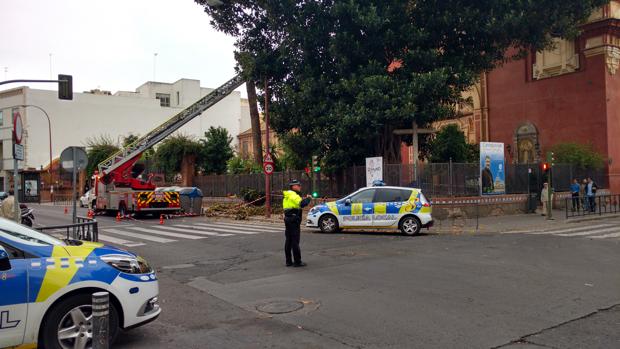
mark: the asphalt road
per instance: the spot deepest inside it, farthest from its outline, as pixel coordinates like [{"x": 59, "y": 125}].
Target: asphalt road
[{"x": 227, "y": 287}]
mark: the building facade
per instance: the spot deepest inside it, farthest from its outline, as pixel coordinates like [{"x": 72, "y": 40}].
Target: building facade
[
  {"x": 570, "y": 93},
  {"x": 96, "y": 113}
]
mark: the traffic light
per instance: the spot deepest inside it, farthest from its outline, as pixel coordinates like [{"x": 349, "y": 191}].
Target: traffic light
[
  {"x": 65, "y": 87},
  {"x": 315, "y": 194},
  {"x": 315, "y": 164},
  {"x": 551, "y": 158},
  {"x": 545, "y": 166}
]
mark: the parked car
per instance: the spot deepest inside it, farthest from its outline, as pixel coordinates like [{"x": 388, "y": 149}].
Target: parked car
[
  {"x": 379, "y": 207},
  {"x": 88, "y": 197},
  {"x": 47, "y": 285}
]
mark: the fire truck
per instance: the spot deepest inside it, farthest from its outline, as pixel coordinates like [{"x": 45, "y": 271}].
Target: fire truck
[{"x": 118, "y": 186}]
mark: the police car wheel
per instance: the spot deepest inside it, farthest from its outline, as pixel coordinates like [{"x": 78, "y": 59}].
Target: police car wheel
[
  {"x": 410, "y": 225},
  {"x": 69, "y": 324},
  {"x": 328, "y": 224}
]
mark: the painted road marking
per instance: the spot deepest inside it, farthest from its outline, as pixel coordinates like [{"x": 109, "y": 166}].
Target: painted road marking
[
  {"x": 139, "y": 236},
  {"x": 165, "y": 233},
  {"x": 119, "y": 241},
  {"x": 193, "y": 231}
]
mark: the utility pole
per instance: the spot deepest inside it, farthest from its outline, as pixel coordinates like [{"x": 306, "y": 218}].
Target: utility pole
[{"x": 267, "y": 145}]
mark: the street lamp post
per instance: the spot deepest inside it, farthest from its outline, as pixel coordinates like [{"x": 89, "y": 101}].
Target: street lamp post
[{"x": 49, "y": 129}]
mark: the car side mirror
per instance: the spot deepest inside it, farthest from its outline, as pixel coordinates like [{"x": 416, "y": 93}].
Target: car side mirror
[
  {"x": 347, "y": 202},
  {"x": 5, "y": 262}
]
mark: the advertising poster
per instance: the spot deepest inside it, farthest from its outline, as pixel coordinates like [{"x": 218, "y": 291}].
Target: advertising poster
[
  {"x": 374, "y": 170},
  {"x": 492, "y": 169}
]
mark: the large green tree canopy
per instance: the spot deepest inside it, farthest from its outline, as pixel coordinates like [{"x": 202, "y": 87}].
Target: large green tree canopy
[{"x": 326, "y": 61}]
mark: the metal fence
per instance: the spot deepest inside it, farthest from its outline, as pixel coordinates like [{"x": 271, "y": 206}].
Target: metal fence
[
  {"x": 86, "y": 229},
  {"x": 596, "y": 205},
  {"x": 435, "y": 179}
]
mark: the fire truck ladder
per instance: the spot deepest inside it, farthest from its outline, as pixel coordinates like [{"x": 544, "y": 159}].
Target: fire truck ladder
[{"x": 136, "y": 148}]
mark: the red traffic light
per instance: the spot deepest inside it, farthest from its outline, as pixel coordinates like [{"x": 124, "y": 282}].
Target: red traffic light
[{"x": 545, "y": 166}]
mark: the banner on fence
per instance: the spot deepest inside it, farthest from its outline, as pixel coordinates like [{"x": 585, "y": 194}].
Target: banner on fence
[
  {"x": 492, "y": 169},
  {"x": 374, "y": 170}
]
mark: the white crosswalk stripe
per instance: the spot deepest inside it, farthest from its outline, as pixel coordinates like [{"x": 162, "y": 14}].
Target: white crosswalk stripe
[
  {"x": 236, "y": 230},
  {"x": 165, "y": 233},
  {"x": 193, "y": 231},
  {"x": 172, "y": 233},
  {"x": 597, "y": 231},
  {"x": 566, "y": 230},
  {"x": 119, "y": 241},
  {"x": 139, "y": 236},
  {"x": 259, "y": 227}
]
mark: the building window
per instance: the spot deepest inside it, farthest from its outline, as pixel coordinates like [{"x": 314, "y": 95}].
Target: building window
[
  {"x": 1, "y": 119},
  {"x": 561, "y": 59},
  {"x": 164, "y": 99},
  {"x": 178, "y": 98}
]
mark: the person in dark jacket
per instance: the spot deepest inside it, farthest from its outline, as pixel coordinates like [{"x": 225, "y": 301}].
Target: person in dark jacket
[
  {"x": 574, "y": 191},
  {"x": 293, "y": 204},
  {"x": 487, "y": 177}
]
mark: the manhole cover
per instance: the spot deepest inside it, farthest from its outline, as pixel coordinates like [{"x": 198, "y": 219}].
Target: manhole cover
[{"x": 279, "y": 306}]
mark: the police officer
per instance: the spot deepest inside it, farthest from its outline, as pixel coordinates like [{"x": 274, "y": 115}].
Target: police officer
[{"x": 292, "y": 205}]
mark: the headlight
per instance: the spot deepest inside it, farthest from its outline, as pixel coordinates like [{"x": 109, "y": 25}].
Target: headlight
[{"x": 127, "y": 264}]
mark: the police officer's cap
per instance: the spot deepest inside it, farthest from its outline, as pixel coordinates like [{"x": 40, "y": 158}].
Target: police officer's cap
[{"x": 294, "y": 182}]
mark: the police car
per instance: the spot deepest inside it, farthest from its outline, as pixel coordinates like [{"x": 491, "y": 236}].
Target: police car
[
  {"x": 46, "y": 287},
  {"x": 381, "y": 207}
]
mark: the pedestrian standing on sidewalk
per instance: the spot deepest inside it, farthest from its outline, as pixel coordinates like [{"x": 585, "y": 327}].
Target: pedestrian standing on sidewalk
[
  {"x": 574, "y": 192},
  {"x": 544, "y": 198},
  {"x": 582, "y": 194},
  {"x": 591, "y": 194},
  {"x": 293, "y": 205}
]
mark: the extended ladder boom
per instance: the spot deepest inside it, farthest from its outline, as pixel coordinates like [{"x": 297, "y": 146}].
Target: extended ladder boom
[{"x": 133, "y": 150}]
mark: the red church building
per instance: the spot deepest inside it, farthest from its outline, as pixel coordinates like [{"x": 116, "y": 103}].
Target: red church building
[{"x": 570, "y": 93}]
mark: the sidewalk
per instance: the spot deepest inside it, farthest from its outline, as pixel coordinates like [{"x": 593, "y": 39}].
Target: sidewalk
[
  {"x": 507, "y": 223},
  {"x": 512, "y": 223}
]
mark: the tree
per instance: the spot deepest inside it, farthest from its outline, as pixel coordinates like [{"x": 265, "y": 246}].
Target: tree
[
  {"x": 580, "y": 155},
  {"x": 345, "y": 74},
  {"x": 450, "y": 144},
  {"x": 239, "y": 165},
  {"x": 98, "y": 149},
  {"x": 216, "y": 150},
  {"x": 170, "y": 153},
  {"x": 255, "y": 119}
]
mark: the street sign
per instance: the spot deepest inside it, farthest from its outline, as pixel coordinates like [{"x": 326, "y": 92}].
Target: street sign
[
  {"x": 268, "y": 167},
  {"x": 18, "y": 152},
  {"x": 67, "y": 159},
  {"x": 18, "y": 128},
  {"x": 268, "y": 158}
]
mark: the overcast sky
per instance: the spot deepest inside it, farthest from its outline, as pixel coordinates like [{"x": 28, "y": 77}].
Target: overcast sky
[{"x": 110, "y": 44}]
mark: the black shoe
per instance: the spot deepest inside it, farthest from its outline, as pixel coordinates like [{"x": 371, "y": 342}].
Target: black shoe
[
  {"x": 289, "y": 264},
  {"x": 299, "y": 265}
]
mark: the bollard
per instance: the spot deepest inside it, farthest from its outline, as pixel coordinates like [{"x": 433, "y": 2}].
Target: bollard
[
  {"x": 101, "y": 311},
  {"x": 161, "y": 219}
]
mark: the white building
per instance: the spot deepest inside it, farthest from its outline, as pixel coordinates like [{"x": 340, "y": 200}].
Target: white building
[{"x": 97, "y": 113}]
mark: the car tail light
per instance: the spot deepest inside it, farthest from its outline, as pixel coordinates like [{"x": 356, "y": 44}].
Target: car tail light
[{"x": 424, "y": 201}]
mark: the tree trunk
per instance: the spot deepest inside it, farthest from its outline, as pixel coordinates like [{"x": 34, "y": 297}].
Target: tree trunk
[{"x": 255, "y": 118}]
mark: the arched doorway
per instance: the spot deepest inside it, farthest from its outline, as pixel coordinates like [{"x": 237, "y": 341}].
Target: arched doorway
[{"x": 525, "y": 139}]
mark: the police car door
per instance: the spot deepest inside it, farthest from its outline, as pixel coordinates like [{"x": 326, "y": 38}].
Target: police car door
[
  {"x": 14, "y": 299},
  {"x": 360, "y": 209},
  {"x": 388, "y": 203}
]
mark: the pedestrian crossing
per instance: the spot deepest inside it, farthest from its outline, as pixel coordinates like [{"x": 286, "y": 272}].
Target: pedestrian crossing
[
  {"x": 133, "y": 235},
  {"x": 597, "y": 231}
]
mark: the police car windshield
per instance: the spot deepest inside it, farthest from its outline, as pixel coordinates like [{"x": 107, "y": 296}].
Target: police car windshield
[{"x": 21, "y": 233}]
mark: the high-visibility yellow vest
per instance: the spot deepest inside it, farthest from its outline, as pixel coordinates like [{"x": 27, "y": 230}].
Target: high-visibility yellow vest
[{"x": 291, "y": 200}]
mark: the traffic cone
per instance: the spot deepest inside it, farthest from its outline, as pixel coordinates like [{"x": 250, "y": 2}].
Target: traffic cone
[
  {"x": 66, "y": 210},
  {"x": 118, "y": 217},
  {"x": 161, "y": 219}
]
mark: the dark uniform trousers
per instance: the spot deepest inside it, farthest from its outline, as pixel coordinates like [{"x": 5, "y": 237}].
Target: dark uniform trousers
[{"x": 292, "y": 222}]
